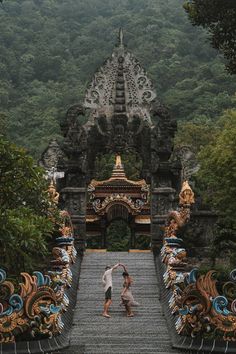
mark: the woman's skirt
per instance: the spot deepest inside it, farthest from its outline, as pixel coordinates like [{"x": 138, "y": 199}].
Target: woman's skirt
[{"x": 128, "y": 299}]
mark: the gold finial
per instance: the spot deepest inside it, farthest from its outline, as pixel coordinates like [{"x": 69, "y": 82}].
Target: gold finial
[
  {"x": 118, "y": 161},
  {"x": 118, "y": 169},
  {"x": 186, "y": 196},
  {"x": 53, "y": 194}
]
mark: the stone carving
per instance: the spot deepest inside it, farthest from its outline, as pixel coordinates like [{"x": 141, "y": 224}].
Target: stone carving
[
  {"x": 186, "y": 196},
  {"x": 200, "y": 306},
  {"x": 125, "y": 115},
  {"x": 188, "y": 159},
  {"x": 101, "y": 94},
  {"x": 51, "y": 155},
  {"x": 53, "y": 194},
  {"x": 122, "y": 102},
  {"x": 134, "y": 207},
  {"x": 34, "y": 307}
]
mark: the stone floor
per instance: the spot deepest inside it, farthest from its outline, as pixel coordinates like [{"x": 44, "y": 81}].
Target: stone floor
[{"x": 146, "y": 332}]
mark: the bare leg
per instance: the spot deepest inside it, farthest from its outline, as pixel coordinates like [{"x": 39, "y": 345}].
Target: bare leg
[
  {"x": 106, "y": 308},
  {"x": 128, "y": 310}
]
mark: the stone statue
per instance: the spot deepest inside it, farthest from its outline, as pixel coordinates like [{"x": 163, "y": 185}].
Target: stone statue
[
  {"x": 53, "y": 194},
  {"x": 186, "y": 196}
]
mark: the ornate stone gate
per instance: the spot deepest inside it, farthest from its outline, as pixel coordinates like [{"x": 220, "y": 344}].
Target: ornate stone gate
[
  {"x": 118, "y": 198},
  {"x": 123, "y": 115}
]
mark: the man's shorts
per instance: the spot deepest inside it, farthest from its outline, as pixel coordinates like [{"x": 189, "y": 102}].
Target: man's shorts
[{"x": 108, "y": 294}]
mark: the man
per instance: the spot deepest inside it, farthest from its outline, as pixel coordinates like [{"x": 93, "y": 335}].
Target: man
[{"x": 107, "y": 283}]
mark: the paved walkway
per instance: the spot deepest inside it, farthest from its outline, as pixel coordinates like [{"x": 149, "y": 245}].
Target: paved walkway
[{"x": 145, "y": 333}]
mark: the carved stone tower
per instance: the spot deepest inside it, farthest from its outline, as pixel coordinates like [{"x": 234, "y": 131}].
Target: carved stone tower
[{"x": 124, "y": 115}]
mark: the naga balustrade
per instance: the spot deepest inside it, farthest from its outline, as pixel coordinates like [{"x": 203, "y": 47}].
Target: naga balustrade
[
  {"x": 33, "y": 308},
  {"x": 203, "y": 306}
]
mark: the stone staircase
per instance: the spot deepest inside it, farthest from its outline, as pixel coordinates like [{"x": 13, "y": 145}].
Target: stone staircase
[{"x": 146, "y": 332}]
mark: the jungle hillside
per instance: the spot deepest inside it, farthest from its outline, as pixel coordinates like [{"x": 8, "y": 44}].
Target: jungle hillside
[{"x": 49, "y": 51}]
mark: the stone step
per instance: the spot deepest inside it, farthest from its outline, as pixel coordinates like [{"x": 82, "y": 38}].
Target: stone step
[
  {"x": 150, "y": 334},
  {"x": 119, "y": 311},
  {"x": 130, "y": 351},
  {"x": 152, "y": 341},
  {"x": 123, "y": 349},
  {"x": 146, "y": 332}
]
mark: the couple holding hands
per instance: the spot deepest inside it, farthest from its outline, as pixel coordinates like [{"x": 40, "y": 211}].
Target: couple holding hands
[{"x": 126, "y": 295}]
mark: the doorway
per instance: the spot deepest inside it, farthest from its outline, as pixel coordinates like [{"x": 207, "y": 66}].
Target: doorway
[{"x": 118, "y": 236}]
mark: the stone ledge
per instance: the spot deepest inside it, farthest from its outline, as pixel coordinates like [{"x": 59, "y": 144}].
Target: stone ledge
[
  {"x": 73, "y": 190},
  {"x": 139, "y": 251},
  {"x": 95, "y": 250}
]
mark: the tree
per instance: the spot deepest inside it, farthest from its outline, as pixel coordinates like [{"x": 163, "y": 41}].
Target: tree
[
  {"x": 25, "y": 225},
  {"x": 49, "y": 51},
  {"x": 217, "y": 180},
  {"x": 3, "y": 119},
  {"x": 195, "y": 134},
  {"x": 217, "y": 174},
  {"x": 118, "y": 236},
  {"x": 219, "y": 17}
]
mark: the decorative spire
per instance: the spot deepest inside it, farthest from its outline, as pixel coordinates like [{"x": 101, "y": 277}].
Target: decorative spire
[
  {"x": 118, "y": 169},
  {"x": 120, "y": 88},
  {"x": 118, "y": 161}
]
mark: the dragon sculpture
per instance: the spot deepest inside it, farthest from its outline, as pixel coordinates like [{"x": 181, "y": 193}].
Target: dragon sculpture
[
  {"x": 202, "y": 305},
  {"x": 33, "y": 308}
]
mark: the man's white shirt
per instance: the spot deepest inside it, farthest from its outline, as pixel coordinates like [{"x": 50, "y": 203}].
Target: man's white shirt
[{"x": 107, "y": 279}]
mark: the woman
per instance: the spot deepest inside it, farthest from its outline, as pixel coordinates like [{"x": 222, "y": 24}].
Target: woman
[{"x": 126, "y": 294}]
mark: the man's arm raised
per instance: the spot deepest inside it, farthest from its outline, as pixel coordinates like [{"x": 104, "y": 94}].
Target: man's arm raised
[{"x": 115, "y": 266}]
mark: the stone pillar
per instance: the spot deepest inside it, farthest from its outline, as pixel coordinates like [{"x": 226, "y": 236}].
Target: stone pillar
[{"x": 75, "y": 203}]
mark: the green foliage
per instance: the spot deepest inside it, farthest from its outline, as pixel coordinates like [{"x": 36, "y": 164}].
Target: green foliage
[
  {"x": 103, "y": 166},
  {"x": 217, "y": 175},
  {"x": 143, "y": 242},
  {"x": 216, "y": 180},
  {"x": 224, "y": 243},
  {"x": 50, "y": 49},
  {"x": 25, "y": 225},
  {"x": 195, "y": 134},
  {"x": 21, "y": 182},
  {"x": 3, "y": 119},
  {"x": 219, "y": 17},
  {"x": 118, "y": 236},
  {"x": 214, "y": 144},
  {"x": 23, "y": 238}
]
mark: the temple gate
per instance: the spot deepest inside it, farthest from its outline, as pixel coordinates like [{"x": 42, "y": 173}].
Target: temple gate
[
  {"x": 118, "y": 198},
  {"x": 123, "y": 115}
]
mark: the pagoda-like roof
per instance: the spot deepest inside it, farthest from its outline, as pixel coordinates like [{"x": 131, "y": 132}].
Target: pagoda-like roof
[{"x": 118, "y": 178}]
